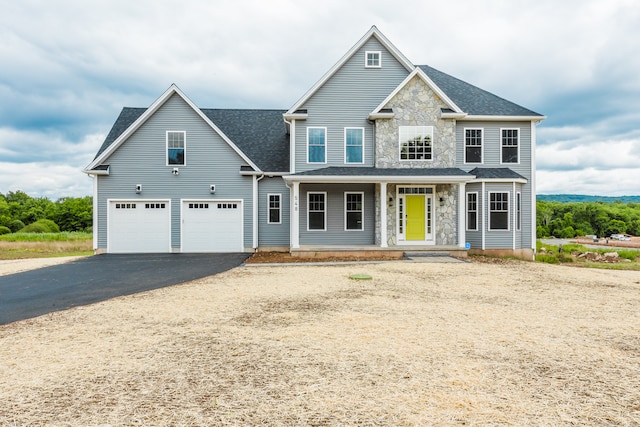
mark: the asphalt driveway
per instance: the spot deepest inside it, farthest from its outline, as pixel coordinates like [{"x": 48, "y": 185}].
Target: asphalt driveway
[{"x": 98, "y": 278}]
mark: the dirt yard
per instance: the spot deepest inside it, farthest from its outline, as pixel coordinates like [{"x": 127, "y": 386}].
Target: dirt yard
[{"x": 469, "y": 344}]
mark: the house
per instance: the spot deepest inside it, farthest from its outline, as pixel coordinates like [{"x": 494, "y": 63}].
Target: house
[{"x": 380, "y": 154}]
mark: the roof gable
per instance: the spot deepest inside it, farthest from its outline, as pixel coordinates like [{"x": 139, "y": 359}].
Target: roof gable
[
  {"x": 129, "y": 128},
  {"x": 373, "y": 32}
]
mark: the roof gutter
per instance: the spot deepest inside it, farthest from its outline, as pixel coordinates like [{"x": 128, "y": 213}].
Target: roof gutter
[
  {"x": 365, "y": 179},
  {"x": 503, "y": 118}
]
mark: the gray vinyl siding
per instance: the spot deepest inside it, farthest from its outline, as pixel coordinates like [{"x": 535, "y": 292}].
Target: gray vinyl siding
[
  {"x": 346, "y": 100},
  {"x": 499, "y": 239},
  {"x": 142, "y": 160},
  {"x": 491, "y": 159},
  {"x": 273, "y": 234},
  {"x": 335, "y": 233}
]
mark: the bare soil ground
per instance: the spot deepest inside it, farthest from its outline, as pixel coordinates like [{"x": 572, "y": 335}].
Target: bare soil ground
[{"x": 502, "y": 342}]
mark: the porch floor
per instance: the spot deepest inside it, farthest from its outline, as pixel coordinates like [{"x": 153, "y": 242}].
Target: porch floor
[{"x": 365, "y": 251}]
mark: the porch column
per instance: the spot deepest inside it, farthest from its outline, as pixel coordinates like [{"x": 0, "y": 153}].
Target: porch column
[
  {"x": 461, "y": 215},
  {"x": 383, "y": 214},
  {"x": 294, "y": 226}
]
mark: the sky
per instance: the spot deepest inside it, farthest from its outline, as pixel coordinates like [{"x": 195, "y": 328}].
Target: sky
[{"x": 69, "y": 66}]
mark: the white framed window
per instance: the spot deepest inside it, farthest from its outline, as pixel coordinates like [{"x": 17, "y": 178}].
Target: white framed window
[
  {"x": 472, "y": 211},
  {"x": 274, "y": 208},
  {"x": 354, "y": 211},
  {"x": 176, "y": 148},
  {"x": 317, "y": 211},
  {"x": 499, "y": 210},
  {"x": 510, "y": 146},
  {"x": 373, "y": 59},
  {"x": 416, "y": 143},
  {"x": 316, "y": 145},
  {"x": 473, "y": 145},
  {"x": 518, "y": 211},
  {"x": 354, "y": 145}
]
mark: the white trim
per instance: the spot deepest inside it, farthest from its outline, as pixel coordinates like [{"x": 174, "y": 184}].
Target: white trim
[
  {"x": 325, "y": 210},
  {"x": 383, "y": 215},
  {"x": 499, "y": 180},
  {"x": 432, "y": 196},
  {"x": 464, "y": 146},
  {"x": 399, "y": 179},
  {"x": 269, "y": 208},
  {"x": 95, "y": 223},
  {"x": 373, "y": 32},
  {"x": 345, "y": 146},
  {"x": 462, "y": 237},
  {"x": 173, "y": 89},
  {"x": 466, "y": 203},
  {"x": 513, "y": 191},
  {"x": 484, "y": 224},
  {"x": 501, "y": 146},
  {"x": 292, "y": 147},
  {"x": 255, "y": 206},
  {"x": 361, "y": 193},
  {"x": 518, "y": 209},
  {"x": 325, "y": 145},
  {"x": 533, "y": 188},
  {"x": 373, "y": 52},
  {"x": 489, "y": 193},
  {"x": 184, "y": 147},
  {"x": 487, "y": 118},
  {"x": 294, "y": 223},
  {"x": 417, "y": 71}
]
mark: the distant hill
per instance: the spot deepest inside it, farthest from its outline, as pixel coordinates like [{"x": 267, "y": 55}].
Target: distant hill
[{"x": 577, "y": 198}]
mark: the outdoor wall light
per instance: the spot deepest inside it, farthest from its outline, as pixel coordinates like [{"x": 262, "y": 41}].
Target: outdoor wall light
[
  {"x": 138, "y": 188},
  {"x": 175, "y": 171},
  {"x": 390, "y": 201},
  {"x": 212, "y": 188},
  {"x": 441, "y": 201}
]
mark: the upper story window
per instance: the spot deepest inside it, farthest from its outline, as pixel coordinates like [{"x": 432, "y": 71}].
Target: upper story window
[
  {"x": 499, "y": 211},
  {"x": 510, "y": 143},
  {"x": 354, "y": 145},
  {"x": 373, "y": 59},
  {"x": 316, "y": 145},
  {"x": 416, "y": 142},
  {"x": 176, "y": 147},
  {"x": 473, "y": 145}
]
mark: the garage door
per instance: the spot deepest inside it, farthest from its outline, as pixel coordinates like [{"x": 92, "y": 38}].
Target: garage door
[
  {"x": 212, "y": 226},
  {"x": 139, "y": 226}
]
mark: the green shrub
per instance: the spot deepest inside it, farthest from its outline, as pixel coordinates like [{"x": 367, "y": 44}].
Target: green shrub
[
  {"x": 41, "y": 226},
  {"x": 4, "y": 230},
  {"x": 15, "y": 225}
]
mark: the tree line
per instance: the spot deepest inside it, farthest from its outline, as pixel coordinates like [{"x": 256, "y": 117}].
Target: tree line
[
  {"x": 19, "y": 210},
  {"x": 566, "y": 220}
]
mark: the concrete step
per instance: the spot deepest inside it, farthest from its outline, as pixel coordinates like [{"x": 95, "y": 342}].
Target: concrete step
[{"x": 426, "y": 254}]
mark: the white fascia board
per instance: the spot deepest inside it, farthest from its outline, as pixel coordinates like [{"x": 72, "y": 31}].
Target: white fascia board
[
  {"x": 418, "y": 71},
  {"x": 376, "y": 116},
  {"x": 173, "y": 89},
  {"x": 504, "y": 118},
  {"x": 455, "y": 116},
  {"x": 373, "y": 32},
  {"x": 317, "y": 179},
  {"x": 260, "y": 173},
  {"x": 500, "y": 180},
  {"x": 96, "y": 172},
  {"x": 295, "y": 116}
]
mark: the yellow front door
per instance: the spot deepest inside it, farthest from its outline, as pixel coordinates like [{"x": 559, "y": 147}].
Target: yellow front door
[{"x": 415, "y": 217}]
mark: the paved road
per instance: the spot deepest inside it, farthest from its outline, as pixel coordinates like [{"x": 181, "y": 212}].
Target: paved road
[{"x": 101, "y": 277}]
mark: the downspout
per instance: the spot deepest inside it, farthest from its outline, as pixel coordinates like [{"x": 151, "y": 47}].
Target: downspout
[{"x": 256, "y": 203}]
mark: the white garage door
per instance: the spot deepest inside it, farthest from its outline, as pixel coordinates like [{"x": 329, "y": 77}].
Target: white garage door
[
  {"x": 139, "y": 226},
  {"x": 212, "y": 226}
]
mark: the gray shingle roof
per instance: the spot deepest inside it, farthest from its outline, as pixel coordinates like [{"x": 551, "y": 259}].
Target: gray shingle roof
[
  {"x": 260, "y": 134},
  {"x": 372, "y": 171},
  {"x": 473, "y": 100},
  {"x": 495, "y": 173}
]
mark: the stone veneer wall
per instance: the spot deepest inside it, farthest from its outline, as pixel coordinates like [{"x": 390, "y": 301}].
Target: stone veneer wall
[{"x": 416, "y": 105}]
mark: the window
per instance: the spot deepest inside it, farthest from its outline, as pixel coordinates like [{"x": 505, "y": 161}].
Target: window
[
  {"x": 175, "y": 148},
  {"x": 353, "y": 211},
  {"x": 498, "y": 211},
  {"x": 509, "y": 151},
  {"x": 316, "y": 215},
  {"x": 518, "y": 211},
  {"x": 472, "y": 211},
  {"x": 354, "y": 145},
  {"x": 372, "y": 59},
  {"x": 415, "y": 142},
  {"x": 316, "y": 145},
  {"x": 154, "y": 205},
  {"x": 273, "y": 209},
  {"x": 473, "y": 145}
]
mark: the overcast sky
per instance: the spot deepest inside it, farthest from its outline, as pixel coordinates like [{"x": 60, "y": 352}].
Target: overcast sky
[{"x": 68, "y": 67}]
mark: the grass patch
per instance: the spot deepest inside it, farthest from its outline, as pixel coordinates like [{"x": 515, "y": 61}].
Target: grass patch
[
  {"x": 552, "y": 254},
  {"x": 45, "y": 245}
]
